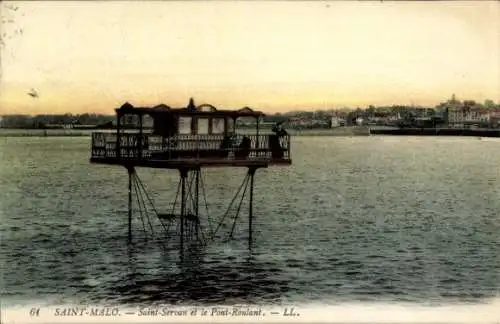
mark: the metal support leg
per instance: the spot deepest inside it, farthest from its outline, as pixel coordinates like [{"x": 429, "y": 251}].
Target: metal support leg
[
  {"x": 251, "y": 172},
  {"x": 183, "y": 206},
  {"x": 130, "y": 171},
  {"x": 196, "y": 202}
]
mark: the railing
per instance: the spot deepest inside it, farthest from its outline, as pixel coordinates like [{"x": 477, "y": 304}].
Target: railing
[{"x": 128, "y": 146}]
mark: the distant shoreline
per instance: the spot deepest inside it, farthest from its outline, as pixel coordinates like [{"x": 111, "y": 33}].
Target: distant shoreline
[
  {"x": 340, "y": 131},
  {"x": 475, "y": 132}
]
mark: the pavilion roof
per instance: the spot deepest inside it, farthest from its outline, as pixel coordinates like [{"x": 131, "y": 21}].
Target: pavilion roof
[{"x": 191, "y": 110}]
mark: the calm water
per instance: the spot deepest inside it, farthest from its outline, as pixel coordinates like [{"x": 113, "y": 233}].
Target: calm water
[{"x": 361, "y": 218}]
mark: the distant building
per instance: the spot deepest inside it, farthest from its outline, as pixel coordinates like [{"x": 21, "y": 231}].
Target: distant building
[
  {"x": 492, "y": 117},
  {"x": 294, "y": 121},
  {"x": 335, "y": 122},
  {"x": 493, "y": 113},
  {"x": 461, "y": 114}
]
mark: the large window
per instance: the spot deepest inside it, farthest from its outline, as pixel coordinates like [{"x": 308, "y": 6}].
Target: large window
[
  {"x": 184, "y": 125},
  {"x": 230, "y": 125},
  {"x": 218, "y": 126},
  {"x": 147, "y": 121},
  {"x": 203, "y": 125},
  {"x": 130, "y": 121}
]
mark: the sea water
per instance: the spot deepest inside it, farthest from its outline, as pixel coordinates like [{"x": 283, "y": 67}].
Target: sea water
[{"x": 368, "y": 225}]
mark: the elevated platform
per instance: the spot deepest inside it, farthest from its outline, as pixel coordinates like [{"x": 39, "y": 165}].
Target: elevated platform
[
  {"x": 190, "y": 151},
  {"x": 188, "y": 139}
]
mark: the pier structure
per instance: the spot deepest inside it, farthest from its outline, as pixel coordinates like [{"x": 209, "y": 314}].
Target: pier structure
[{"x": 189, "y": 140}]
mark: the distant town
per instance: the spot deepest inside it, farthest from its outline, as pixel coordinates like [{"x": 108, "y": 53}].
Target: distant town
[{"x": 450, "y": 113}]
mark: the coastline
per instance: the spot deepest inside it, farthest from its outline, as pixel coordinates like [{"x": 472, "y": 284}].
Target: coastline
[
  {"x": 339, "y": 131},
  {"x": 474, "y": 132}
]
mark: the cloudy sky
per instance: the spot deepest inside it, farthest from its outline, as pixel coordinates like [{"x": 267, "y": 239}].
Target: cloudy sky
[{"x": 88, "y": 56}]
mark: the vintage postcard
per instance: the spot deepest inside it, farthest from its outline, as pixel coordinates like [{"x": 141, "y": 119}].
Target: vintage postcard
[{"x": 250, "y": 161}]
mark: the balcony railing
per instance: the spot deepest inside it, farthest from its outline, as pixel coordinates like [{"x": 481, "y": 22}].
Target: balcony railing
[{"x": 128, "y": 146}]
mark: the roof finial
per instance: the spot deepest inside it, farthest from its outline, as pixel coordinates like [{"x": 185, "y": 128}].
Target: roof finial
[
  {"x": 126, "y": 105},
  {"x": 191, "y": 105}
]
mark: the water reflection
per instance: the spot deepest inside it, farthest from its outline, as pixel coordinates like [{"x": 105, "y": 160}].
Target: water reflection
[{"x": 194, "y": 279}]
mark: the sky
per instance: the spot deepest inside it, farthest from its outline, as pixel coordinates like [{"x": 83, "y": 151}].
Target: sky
[{"x": 87, "y": 56}]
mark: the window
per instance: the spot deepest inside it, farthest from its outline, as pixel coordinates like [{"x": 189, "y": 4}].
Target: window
[
  {"x": 203, "y": 125},
  {"x": 147, "y": 121},
  {"x": 230, "y": 125},
  {"x": 184, "y": 125},
  {"x": 218, "y": 126},
  {"x": 130, "y": 120}
]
